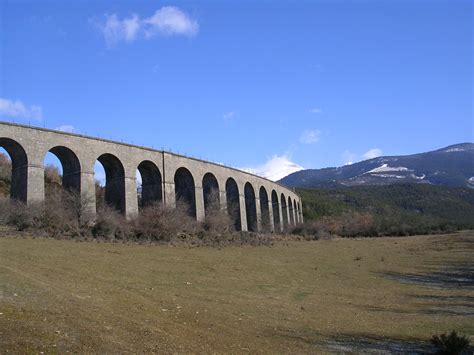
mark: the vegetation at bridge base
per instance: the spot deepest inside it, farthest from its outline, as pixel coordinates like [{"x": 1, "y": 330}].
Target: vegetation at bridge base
[
  {"x": 395, "y": 210},
  {"x": 63, "y": 216},
  {"x": 362, "y": 211}
]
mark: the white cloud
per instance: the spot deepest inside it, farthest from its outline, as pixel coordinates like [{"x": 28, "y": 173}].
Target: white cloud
[
  {"x": 275, "y": 168},
  {"x": 310, "y": 136},
  {"x": 315, "y": 110},
  {"x": 16, "y": 108},
  {"x": 115, "y": 30},
  {"x": 349, "y": 157},
  {"x": 229, "y": 116},
  {"x": 373, "y": 153},
  {"x": 65, "y": 128},
  {"x": 166, "y": 21},
  {"x": 170, "y": 20},
  {"x": 138, "y": 177}
]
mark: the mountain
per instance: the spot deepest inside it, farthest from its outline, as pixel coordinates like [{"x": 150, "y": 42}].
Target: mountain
[{"x": 450, "y": 166}]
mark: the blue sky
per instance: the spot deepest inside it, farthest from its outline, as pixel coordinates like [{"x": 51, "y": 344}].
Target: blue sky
[{"x": 253, "y": 84}]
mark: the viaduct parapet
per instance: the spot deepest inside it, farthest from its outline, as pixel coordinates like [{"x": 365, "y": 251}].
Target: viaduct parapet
[{"x": 254, "y": 203}]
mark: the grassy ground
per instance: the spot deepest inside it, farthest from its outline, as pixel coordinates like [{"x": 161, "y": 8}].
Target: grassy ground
[{"x": 58, "y": 296}]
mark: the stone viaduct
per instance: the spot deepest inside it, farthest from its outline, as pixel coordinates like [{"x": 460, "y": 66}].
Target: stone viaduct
[{"x": 254, "y": 203}]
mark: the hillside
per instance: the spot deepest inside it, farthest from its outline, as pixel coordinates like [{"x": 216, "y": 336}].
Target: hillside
[
  {"x": 411, "y": 208},
  {"x": 450, "y": 166}
]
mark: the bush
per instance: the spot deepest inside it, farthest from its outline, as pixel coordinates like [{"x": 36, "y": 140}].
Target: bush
[
  {"x": 22, "y": 216},
  {"x": 451, "y": 344},
  {"x": 349, "y": 224},
  {"x": 158, "y": 222},
  {"x": 57, "y": 218},
  {"x": 312, "y": 230},
  {"x": 5, "y": 207},
  {"x": 111, "y": 225},
  {"x": 217, "y": 220}
]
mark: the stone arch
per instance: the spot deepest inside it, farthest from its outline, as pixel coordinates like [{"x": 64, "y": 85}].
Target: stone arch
[
  {"x": 210, "y": 190},
  {"x": 250, "y": 207},
  {"x": 291, "y": 218},
  {"x": 284, "y": 211},
  {"x": 297, "y": 216},
  {"x": 151, "y": 190},
  {"x": 276, "y": 211},
  {"x": 71, "y": 179},
  {"x": 19, "y": 172},
  {"x": 233, "y": 202},
  {"x": 114, "y": 181},
  {"x": 185, "y": 191},
  {"x": 265, "y": 212}
]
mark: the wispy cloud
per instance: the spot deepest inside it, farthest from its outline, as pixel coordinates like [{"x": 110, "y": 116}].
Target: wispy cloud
[
  {"x": 65, "y": 128},
  {"x": 349, "y": 157},
  {"x": 229, "y": 116},
  {"x": 170, "y": 20},
  {"x": 315, "y": 110},
  {"x": 166, "y": 21},
  {"x": 372, "y": 153},
  {"x": 276, "y": 168},
  {"x": 310, "y": 136},
  {"x": 16, "y": 108}
]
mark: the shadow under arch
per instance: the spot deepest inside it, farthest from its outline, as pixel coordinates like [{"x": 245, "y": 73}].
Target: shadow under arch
[
  {"x": 114, "y": 181},
  {"x": 250, "y": 207},
  {"x": 185, "y": 191},
  {"x": 291, "y": 219},
  {"x": 19, "y": 173},
  {"x": 284, "y": 212},
  {"x": 297, "y": 213},
  {"x": 233, "y": 203},
  {"x": 265, "y": 211},
  {"x": 210, "y": 190},
  {"x": 276, "y": 211},
  {"x": 152, "y": 190},
  {"x": 71, "y": 179}
]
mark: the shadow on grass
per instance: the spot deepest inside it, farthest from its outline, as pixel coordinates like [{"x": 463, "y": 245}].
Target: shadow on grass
[
  {"x": 358, "y": 343},
  {"x": 458, "y": 276},
  {"x": 439, "y": 309},
  {"x": 376, "y": 345}
]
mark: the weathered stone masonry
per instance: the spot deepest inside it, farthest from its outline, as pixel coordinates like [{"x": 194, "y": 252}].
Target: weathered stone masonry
[{"x": 255, "y": 203}]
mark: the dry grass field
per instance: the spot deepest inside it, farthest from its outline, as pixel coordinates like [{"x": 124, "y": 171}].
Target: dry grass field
[{"x": 384, "y": 294}]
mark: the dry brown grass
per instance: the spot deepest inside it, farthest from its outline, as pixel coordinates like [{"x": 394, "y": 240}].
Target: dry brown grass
[{"x": 58, "y": 296}]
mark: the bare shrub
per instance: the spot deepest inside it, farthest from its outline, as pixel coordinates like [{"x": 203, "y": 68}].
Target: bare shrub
[
  {"x": 64, "y": 214},
  {"x": 158, "y": 222},
  {"x": 451, "y": 343},
  {"x": 111, "y": 225},
  {"x": 23, "y": 217},
  {"x": 265, "y": 223},
  {"x": 312, "y": 230},
  {"x": 233, "y": 213},
  {"x": 354, "y": 224},
  {"x": 349, "y": 224},
  {"x": 5, "y": 207},
  {"x": 56, "y": 218},
  {"x": 217, "y": 220},
  {"x": 99, "y": 195},
  {"x": 52, "y": 180}
]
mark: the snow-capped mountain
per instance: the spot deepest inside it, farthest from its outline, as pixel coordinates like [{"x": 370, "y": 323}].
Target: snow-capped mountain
[{"x": 450, "y": 166}]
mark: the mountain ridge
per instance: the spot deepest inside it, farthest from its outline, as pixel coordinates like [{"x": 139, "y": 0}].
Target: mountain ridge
[{"x": 449, "y": 166}]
